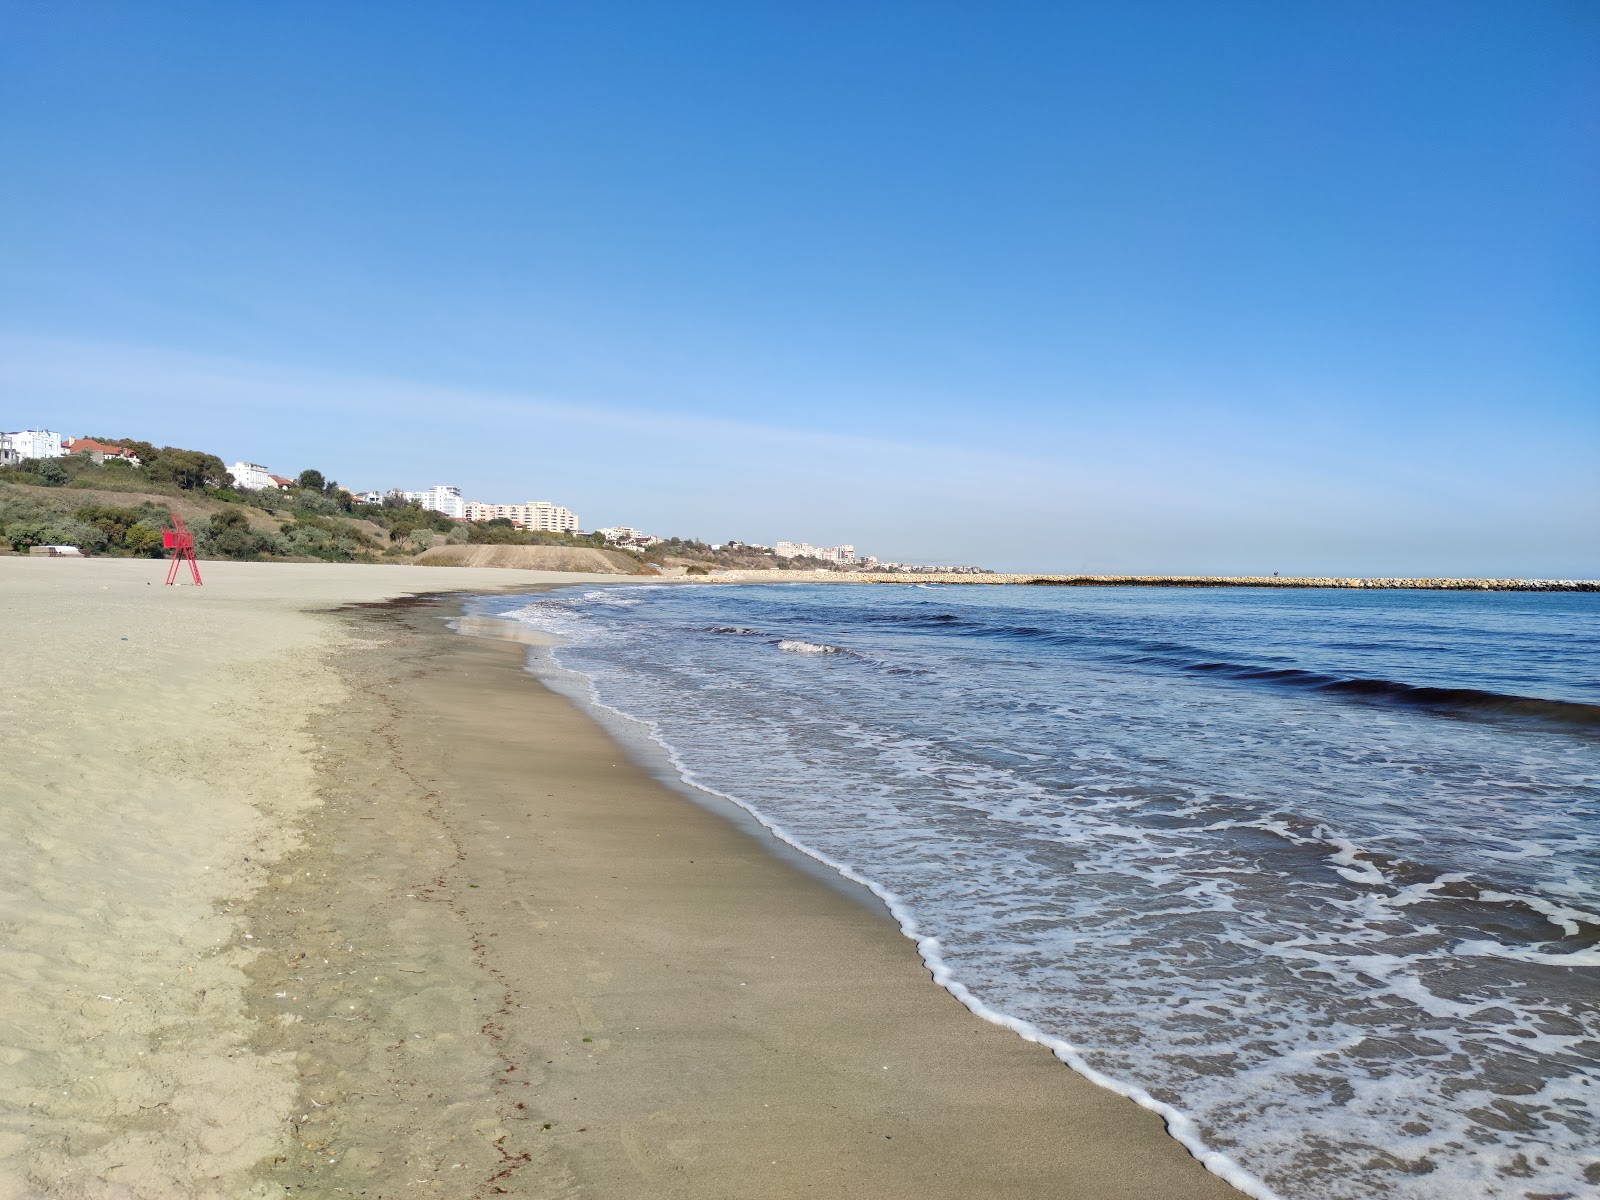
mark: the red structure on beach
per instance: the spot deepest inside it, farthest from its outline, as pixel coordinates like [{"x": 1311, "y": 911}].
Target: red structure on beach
[{"x": 180, "y": 541}]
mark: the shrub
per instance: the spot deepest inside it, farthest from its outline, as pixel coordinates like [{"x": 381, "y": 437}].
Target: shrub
[
  {"x": 113, "y": 522},
  {"x": 50, "y": 472},
  {"x": 228, "y": 535},
  {"x": 144, "y": 541},
  {"x": 53, "y": 530}
]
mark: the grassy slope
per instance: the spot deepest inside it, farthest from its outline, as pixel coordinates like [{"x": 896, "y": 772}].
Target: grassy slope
[{"x": 195, "y": 509}]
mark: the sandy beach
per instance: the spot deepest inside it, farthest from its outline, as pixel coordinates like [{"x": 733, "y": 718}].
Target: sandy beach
[{"x": 302, "y": 893}]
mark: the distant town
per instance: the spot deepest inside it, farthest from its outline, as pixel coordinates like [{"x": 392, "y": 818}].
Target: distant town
[{"x": 27, "y": 448}]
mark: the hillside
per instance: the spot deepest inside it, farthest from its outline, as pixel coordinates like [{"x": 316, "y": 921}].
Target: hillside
[
  {"x": 194, "y": 507},
  {"x": 538, "y": 558}
]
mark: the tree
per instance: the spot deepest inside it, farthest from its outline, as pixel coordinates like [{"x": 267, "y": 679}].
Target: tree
[
  {"x": 312, "y": 481},
  {"x": 191, "y": 470},
  {"x": 143, "y": 451}
]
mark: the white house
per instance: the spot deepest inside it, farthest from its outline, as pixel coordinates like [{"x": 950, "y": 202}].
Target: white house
[
  {"x": 623, "y": 535},
  {"x": 442, "y": 497},
  {"x": 252, "y": 477},
  {"x": 8, "y": 453},
  {"x": 36, "y": 443}
]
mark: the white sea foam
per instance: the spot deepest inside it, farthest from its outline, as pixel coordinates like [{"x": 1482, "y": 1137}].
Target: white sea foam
[
  {"x": 1161, "y": 896},
  {"x": 793, "y": 646},
  {"x": 1178, "y": 1124}
]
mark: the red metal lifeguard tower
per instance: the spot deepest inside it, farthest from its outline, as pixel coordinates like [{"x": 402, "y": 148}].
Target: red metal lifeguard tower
[{"x": 180, "y": 541}]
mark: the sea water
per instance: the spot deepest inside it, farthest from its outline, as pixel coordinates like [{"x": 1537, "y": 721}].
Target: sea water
[{"x": 1316, "y": 874}]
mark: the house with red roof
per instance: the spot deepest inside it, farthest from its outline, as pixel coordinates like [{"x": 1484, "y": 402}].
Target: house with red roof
[{"x": 99, "y": 451}]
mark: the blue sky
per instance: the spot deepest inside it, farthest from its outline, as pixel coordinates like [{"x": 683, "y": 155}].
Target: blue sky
[{"x": 1235, "y": 286}]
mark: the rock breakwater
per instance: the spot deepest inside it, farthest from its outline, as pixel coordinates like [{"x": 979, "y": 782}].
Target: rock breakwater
[{"x": 1195, "y": 581}]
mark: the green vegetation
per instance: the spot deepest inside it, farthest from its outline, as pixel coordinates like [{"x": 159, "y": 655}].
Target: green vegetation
[
  {"x": 94, "y": 528},
  {"x": 698, "y": 558},
  {"x": 164, "y": 470},
  {"x": 42, "y": 503},
  {"x": 501, "y": 532},
  {"x": 314, "y": 519}
]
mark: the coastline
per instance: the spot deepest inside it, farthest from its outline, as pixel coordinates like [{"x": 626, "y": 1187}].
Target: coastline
[
  {"x": 1180, "y": 581},
  {"x": 644, "y": 744},
  {"x": 371, "y": 902},
  {"x": 678, "y": 1011}
]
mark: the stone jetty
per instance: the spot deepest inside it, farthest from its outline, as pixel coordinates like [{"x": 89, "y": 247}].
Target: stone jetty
[{"x": 1193, "y": 581}]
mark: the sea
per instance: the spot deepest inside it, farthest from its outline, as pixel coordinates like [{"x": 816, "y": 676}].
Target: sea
[{"x": 1314, "y": 874}]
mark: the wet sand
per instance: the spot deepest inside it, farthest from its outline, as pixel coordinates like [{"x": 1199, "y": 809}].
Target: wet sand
[{"x": 474, "y": 950}]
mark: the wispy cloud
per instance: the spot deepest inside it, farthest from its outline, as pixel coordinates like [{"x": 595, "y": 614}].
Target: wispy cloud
[
  {"x": 1137, "y": 505},
  {"x": 57, "y": 371}
]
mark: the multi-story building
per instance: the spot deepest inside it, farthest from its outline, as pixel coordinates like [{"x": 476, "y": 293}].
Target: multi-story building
[
  {"x": 36, "y": 443},
  {"x": 252, "y": 477},
  {"x": 539, "y": 514},
  {"x": 442, "y": 497},
  {"x": 8, "y": 453},
  {"x": 834, "y": 554}
]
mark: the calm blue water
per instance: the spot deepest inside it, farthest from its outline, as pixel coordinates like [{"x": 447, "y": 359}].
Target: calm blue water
[{"x": 1318, "y": 870}]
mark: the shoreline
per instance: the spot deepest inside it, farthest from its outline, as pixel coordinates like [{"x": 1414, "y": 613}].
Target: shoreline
[
  {"x": 721, "y": 1059},
  {"x": 1034, "y": 579},
  {"x": 880, "y": 900},
  {"x": 412, "y": 921}
]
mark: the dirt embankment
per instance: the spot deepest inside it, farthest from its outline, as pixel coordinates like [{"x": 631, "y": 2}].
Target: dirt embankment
[{"x": 537, "y": 558}]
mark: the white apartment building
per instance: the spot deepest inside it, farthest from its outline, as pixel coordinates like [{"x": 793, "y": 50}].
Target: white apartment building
[
  {"x": 540, "y": 514},
  {"x": 837, "y": 554},
  {"x": 252, "y": 477},
  {"x": 8, "y": 453},
  {"x": 36, "y": 443},
  {"x": 623, "y": 535},
  {"x": 441, "y": 497}
]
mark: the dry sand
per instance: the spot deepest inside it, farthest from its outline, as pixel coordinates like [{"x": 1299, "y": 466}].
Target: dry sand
[
  {"x": 155, "y": 755},
  {"x": 293, "y": 902}
]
